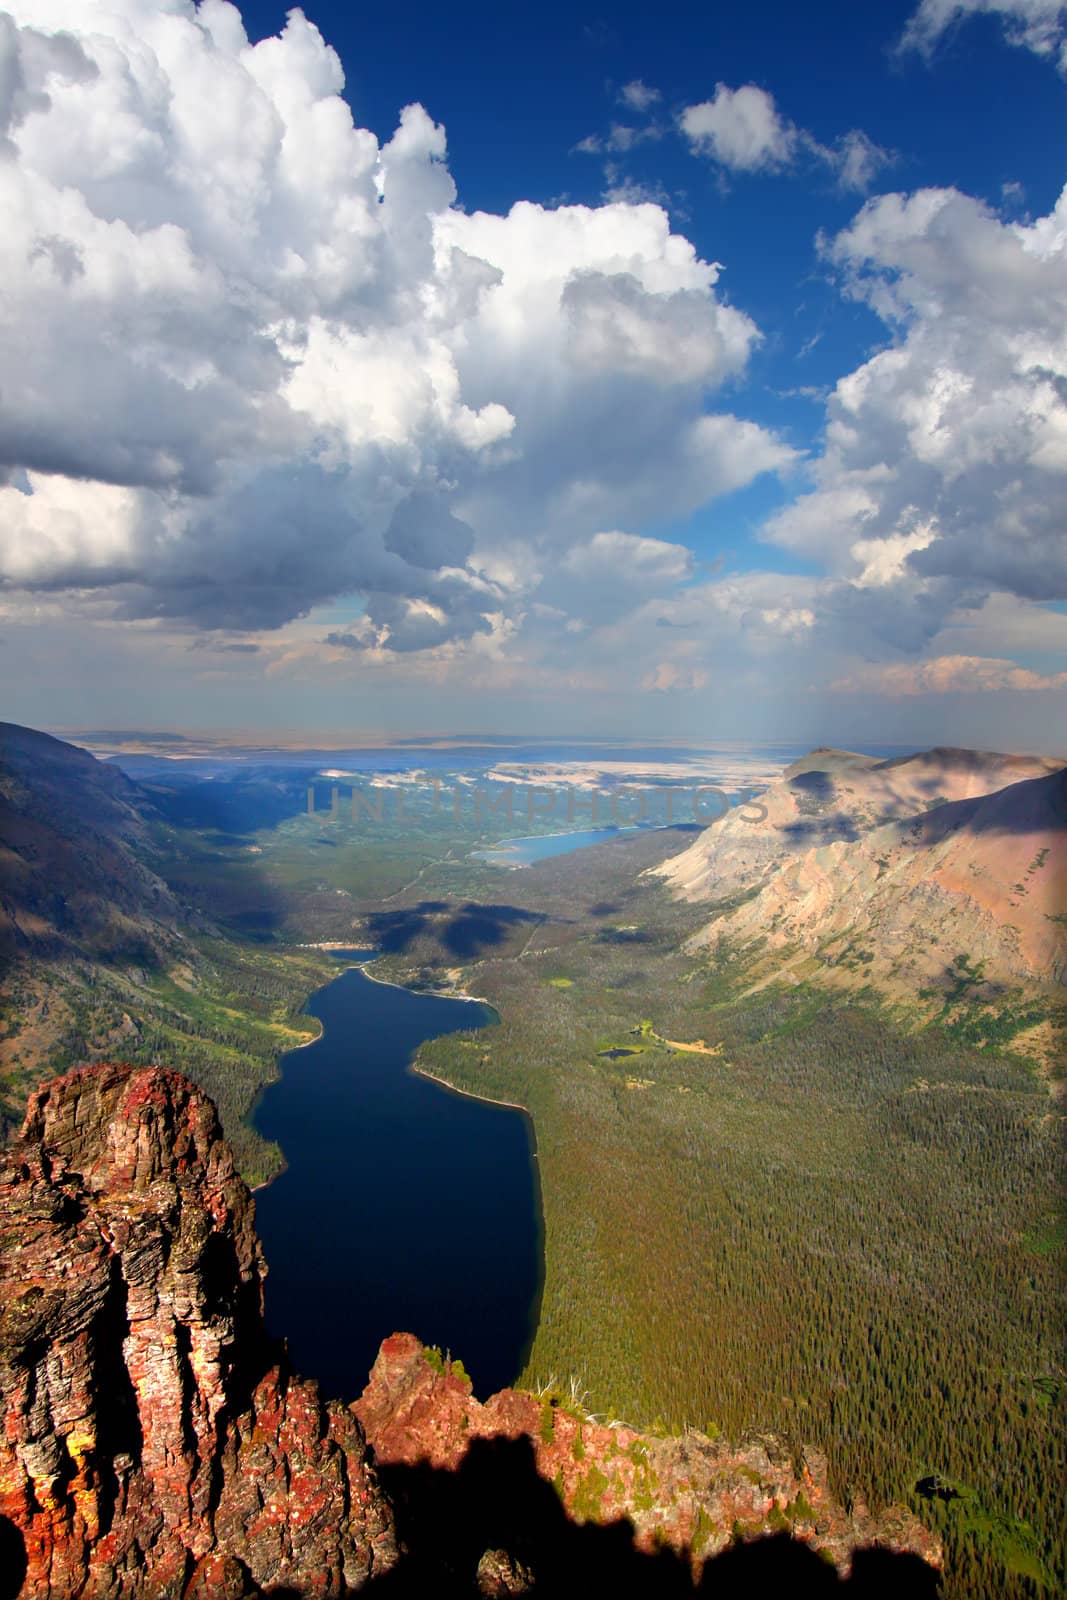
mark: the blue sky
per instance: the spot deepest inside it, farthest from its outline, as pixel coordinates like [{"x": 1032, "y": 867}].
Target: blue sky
[
  {"x": 518, "y": 90},
  {"x": 746, "y": 420}
]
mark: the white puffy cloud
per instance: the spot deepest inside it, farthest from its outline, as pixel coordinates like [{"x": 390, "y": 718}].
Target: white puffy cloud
[
  {"x": 253, "y": 359},
  {"x": 945, "y": 466},
  {"x": 1038, "y": 25},
  {"x": 601, "y": 337},
  {"x": 29, "y": 60},
  {"x": 741, "y": 129}
]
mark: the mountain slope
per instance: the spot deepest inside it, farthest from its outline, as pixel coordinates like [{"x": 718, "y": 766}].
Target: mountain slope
[
  {"x": 959, "y": 912},
  {"x": 985, "y": 876},
  {"x": 99, "y": 956},
  {"x": 834, "y": 795},
  {"x": 74, "y": 838}
]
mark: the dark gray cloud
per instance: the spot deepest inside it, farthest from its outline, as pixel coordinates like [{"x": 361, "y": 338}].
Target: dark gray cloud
[{"x": 425, "y": 533}]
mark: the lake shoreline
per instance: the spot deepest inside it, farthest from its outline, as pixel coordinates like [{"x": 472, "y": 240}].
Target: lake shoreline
[
  {"x": 535, "y": 1167},
  {"x": 373, "y": 1036},
  {"x": 437, "y": 994},
  {"x": 472, "y": 1094}
]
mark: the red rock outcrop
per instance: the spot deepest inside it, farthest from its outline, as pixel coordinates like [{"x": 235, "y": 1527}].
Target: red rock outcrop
[
  {"x": 691, "y": 1495},
  {"x": 154, "y": 1443}
]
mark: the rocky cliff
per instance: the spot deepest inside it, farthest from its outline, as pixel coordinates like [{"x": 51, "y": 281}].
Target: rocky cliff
[
  {"x": 156, "y": 1444},
  {"x": 686, "y": 1500},
  {"x": 153, "y": 1443}
]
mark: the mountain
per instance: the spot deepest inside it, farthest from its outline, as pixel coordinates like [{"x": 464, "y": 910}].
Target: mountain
[
  {"x": 833, "y": 795},
  {"x": 74, "y": 844},
  {"x": 85, "y": 916},
  {"x": 155, "y": 1442},
  {"x": 959, "y": 898},
  {"x": 101, "y": 956}
]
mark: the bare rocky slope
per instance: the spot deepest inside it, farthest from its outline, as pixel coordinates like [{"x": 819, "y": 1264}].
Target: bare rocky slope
[
  {"x": 891, "y": 872},
  {"x": 155, "y": 1443},
  {"x": 834, "y": 796}
]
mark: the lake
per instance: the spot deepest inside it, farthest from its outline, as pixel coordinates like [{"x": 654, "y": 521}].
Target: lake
[
  {"x": 539, "y": 847},
  {"x": 404, "y": 1206}
]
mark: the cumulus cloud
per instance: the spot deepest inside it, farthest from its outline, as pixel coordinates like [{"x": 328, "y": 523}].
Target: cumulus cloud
[
  {"x": 639, "y": 96},
  {"x": 742, "y": 130},
  {"x": 949, "y": 675},
  {"x": 1038, "y": 25},
  {"x": 29, "y": 61},
  {"x": 944, "y": 473},
  {"x": 254, "y": 359}
]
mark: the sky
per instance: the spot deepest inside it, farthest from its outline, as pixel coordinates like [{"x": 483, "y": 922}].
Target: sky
[{"x": 690, "y": 371}]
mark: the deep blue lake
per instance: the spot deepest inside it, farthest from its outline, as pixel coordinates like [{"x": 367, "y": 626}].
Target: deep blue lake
[{"x": 404, "y": 1207}]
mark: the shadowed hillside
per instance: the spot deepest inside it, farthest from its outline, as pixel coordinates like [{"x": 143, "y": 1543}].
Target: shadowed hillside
[
  {"x": 99, "y": 955},
  {"x": 74, "y": 843}
]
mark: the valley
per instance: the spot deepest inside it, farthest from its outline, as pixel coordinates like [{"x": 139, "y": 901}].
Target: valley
[{"x": 784, "y": 1186}]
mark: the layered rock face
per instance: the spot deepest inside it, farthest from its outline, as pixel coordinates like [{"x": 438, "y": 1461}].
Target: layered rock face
[
  {"x": 154, "y": 1443},
  {"x": 688, "y": 1499}
]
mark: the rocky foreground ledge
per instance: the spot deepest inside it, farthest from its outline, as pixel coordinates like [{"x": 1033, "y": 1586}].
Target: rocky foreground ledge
[
  {"x": 155, "y": 1443},
  {"x": 690, "y": 1495}
]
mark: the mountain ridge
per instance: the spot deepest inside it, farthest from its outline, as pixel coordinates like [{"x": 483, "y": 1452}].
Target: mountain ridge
[
  {"x": 959, "y": 892},
  {"x": 101, "y": 957}
]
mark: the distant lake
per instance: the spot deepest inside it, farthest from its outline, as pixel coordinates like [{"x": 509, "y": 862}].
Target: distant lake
[
  {"x": 404, "y": 1206},
  {"x": 538, "y": 847}
]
